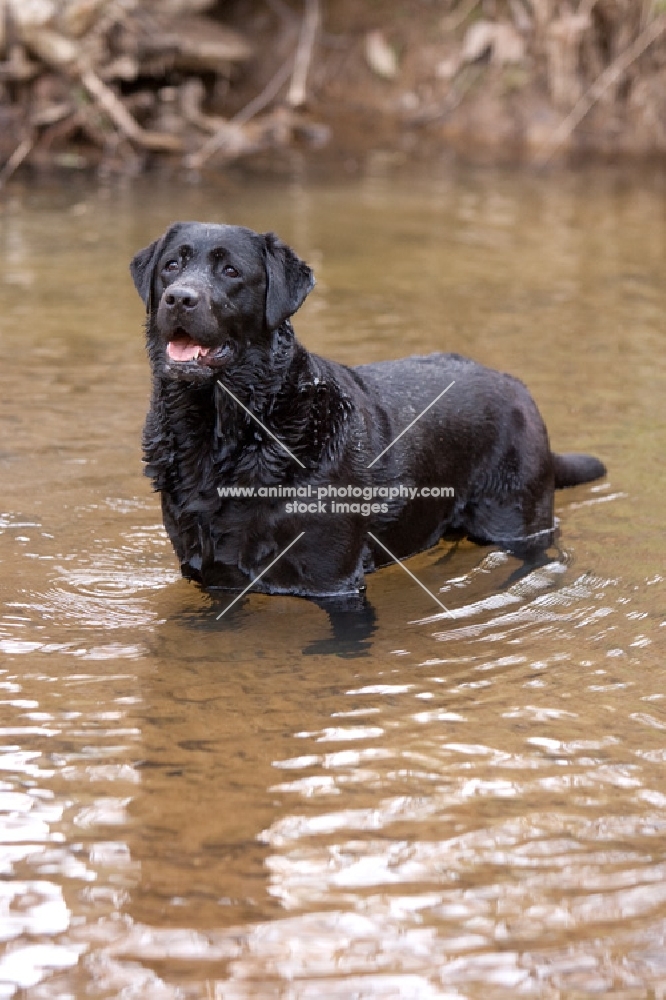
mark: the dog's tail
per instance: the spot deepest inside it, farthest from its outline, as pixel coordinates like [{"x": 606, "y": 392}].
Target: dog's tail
[{"x": 572, "y": 469}]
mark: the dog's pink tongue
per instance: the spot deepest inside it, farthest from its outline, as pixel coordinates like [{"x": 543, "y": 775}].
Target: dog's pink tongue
[{"x": 185, "y": 349}]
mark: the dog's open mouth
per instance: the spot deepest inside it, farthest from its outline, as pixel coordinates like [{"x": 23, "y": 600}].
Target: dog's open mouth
[{"x": 183, "y": 348}]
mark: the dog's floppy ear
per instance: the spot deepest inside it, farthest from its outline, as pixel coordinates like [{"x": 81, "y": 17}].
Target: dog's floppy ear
[
  {"x": 143, "y": 264},
  {"x": 142, "y": 267},
  {"x": 289, "y": 280}
]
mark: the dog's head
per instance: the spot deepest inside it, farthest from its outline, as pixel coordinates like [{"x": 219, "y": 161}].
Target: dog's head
[{"x": 213, "y": 292}]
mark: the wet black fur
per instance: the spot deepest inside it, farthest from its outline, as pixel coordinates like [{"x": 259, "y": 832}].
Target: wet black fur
[{"x": 234, "y": 290}]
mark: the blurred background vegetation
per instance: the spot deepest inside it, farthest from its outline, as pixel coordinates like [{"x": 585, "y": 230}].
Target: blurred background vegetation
[{"x": 119, "y": 84}]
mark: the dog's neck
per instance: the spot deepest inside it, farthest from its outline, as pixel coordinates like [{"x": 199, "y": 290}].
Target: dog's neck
[{"x": 278, "y": 387}]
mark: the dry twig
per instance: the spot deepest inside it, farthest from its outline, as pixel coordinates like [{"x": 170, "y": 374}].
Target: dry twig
[
  {"x": 196, "y": 160},
  {"x": 610, "y": 75},
  {"x": 297, "y": 94},
  {"x": 121, "y": 117},
  {"x": 16, "y": 159}
]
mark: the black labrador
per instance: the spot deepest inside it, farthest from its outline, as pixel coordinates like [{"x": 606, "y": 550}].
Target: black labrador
[{"x": 342, "y": 468}]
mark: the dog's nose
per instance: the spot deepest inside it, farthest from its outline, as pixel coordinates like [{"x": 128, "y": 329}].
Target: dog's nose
[{"x": 184, "y": 297}]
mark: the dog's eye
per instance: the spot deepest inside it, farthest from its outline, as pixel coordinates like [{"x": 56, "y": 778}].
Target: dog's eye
[
  {"x": 230, "y": 271},
  {"x": 171, "y": 265}
]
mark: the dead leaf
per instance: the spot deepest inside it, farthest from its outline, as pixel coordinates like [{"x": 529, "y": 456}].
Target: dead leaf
[
  {"x": 497, "y": 37},
  {"x": 380, "y": 56}
]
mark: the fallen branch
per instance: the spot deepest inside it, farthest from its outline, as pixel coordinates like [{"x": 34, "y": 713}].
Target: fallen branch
[
  {"x": 610, "y": 76},
  {"x": 121, "y": 117},
  {"x": 196, "y": 160},
  {"x": 263, "y": 99},
  {"x": 192, "y": 94},
  {"x": 297, "y": 94},
  {"x": 18, "y": 68},
  {"x": 67, "y": 62},
  {"x": 16, "y": 159}
]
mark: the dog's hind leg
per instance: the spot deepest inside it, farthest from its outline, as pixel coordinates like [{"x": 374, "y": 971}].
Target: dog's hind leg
[{"x": 521, "y": 525}]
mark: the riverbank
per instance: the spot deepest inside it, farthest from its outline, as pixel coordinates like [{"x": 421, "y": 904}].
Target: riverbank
[{"x": 117, "y": 85}]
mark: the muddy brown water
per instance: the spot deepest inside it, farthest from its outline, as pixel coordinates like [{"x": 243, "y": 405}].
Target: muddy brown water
[{"x": 422, "y": 807}]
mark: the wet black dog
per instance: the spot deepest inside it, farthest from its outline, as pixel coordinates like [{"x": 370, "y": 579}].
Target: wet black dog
[{"x": 238, "y": 403}]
